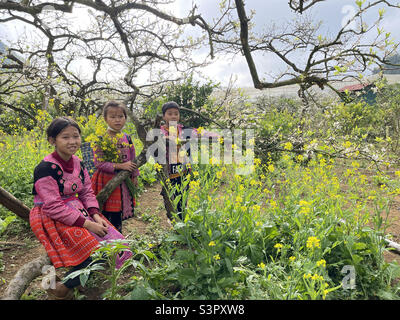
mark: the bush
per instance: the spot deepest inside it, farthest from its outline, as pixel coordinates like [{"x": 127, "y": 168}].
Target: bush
[
  {"x": 189, "y": 94},
  {"x": 275, "y": 234}
]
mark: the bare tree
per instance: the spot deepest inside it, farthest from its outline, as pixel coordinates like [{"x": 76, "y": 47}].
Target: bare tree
[
  {"x": 128, "y": 49},
  {"x": 311, "y": 58}
]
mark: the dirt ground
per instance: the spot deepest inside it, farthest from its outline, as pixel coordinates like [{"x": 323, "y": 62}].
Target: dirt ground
[{"x": 150, "y": 218}]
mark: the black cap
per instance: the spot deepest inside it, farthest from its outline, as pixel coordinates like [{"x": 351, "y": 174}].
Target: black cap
[{"x": 169, "y": 105}]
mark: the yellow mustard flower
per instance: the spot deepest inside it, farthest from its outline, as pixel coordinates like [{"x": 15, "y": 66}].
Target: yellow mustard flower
[
  {"x": 317, "y": 277},
  {"x": 322, "y": 263},
  {"x": 313, "y": 242},
  {"x": 288, "y": 146}
]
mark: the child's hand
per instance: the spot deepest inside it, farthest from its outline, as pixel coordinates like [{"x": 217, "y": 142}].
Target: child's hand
[
  {"x": 128, "y": 166},
  {"x": 100, "y": 220},
  {"x": 96, "y": 228}
]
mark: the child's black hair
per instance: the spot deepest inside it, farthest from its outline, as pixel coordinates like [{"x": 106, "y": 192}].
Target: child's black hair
[
  {"x": 58, "y": 125},
  {"x": 114, "y": 104},
  {"x": 169, "y": 105}
]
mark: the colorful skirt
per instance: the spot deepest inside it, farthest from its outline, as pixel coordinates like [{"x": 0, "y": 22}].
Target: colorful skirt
[
  {"x": 120, "y": 199},
  {"x": 66, "y": 245}
]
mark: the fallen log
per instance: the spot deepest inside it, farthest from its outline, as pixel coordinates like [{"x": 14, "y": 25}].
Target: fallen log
[
  {"x": 14, "y": 205},
  {"x": 25, "y": 275}
]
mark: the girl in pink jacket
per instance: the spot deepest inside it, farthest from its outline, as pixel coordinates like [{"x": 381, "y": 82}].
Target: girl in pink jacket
[{"x": 66, "y": 217}]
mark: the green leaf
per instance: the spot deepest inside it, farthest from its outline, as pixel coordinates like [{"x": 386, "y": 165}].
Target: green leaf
[
  {"x": 84, "y": 277},
  {"x": 229, "y": 266},
  {"x": 140, "y": 293},
  {"x": 175, "y": 237},
  {"x": 359, "y": 246}
]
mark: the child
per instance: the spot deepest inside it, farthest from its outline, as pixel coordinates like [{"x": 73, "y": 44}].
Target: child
[
  {"x": 176, "y": 162},
  {"x": 66, "y": 217},
  {"x": 120, "y": 205}
]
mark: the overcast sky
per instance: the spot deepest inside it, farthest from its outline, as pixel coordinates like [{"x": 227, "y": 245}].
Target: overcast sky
[{"x": 331, "y": 13}]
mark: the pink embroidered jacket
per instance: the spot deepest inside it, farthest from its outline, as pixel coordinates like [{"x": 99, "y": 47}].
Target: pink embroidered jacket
[{"x": 54, "y": 188}]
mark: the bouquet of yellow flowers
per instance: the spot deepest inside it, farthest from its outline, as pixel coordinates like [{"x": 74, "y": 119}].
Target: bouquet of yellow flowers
[
  {"x": 105, "y": 145},
  {"x": 106, "y": 150}
]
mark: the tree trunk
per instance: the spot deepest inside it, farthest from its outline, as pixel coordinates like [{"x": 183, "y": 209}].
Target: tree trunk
[
  {"x": 14, "y": 205},
  {"x": 25, "y": 275}
]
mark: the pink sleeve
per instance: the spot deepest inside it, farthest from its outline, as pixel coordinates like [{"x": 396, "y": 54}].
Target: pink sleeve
[
  {"x": 86, "y": 195},
  {"x": 102, "y": 165},
  {"x": 53, "y": 206}
]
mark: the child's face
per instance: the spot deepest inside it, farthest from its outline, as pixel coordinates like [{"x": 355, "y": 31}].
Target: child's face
[
  {"x": 67, "y": 142},
  {"x": 115, "y": 118},
  {"x": 171, "y": 115}
]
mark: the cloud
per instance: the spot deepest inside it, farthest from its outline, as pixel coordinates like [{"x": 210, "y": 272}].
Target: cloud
[{"x": 227, "y": 68}]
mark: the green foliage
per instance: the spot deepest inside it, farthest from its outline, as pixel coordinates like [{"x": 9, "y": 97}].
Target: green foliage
[
  {"x": 147, "y": 176},
  {"x": 20, "y": 156},
  {"x": 243, "y": 242},
  {"x": 5, "y": 222},
  {"x": 190, "y": 94},
  {"x": 359, "y": 118},
  {"x": 194, "y": 96},
  {"x": 272, "y": 129},
  {"x": 287, "y": 230},
  {"x": 12, "y": 120},
  {"x": 388, "y": 100}
]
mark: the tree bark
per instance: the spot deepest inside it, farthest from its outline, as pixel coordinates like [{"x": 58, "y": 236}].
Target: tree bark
[
  {"x": 24, "y": 277},
  {"x": 14, "y": 205}
]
